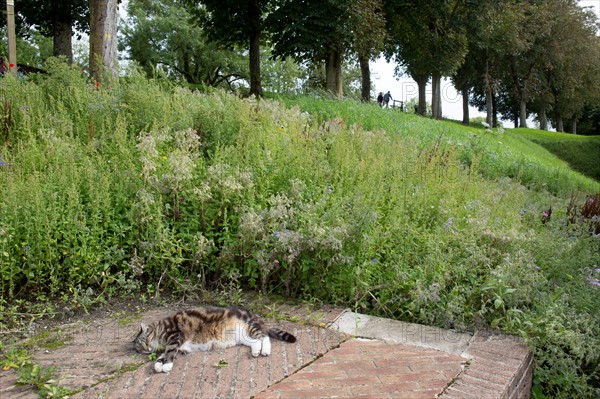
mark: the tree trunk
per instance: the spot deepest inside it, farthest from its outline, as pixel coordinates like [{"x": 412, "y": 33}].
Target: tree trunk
[
  {"x": 436, "y": 103},
  {"x": 254, "y": 56},
  {"x": 488, "y": 93},
  {"x": 574, "y": 125},
  {"x": 103, "y": 39},
  {"x": 365, "y": 74},
  {"x": 543, "y": 118},
  {"x": 333, "y": 71},
  {"x": 439, "y": 99},
  {"x": 422, "y": 84},
  {"x": 559, "y": 124},
  {"x": 63, "y": 32},
  {"x": 465, "y": 100},
  {"x": 522, "y": 108},
  {"x": 494, "y": 111}
]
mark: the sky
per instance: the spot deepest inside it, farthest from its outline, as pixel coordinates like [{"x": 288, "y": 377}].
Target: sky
[{"x": 405, "y": 88}]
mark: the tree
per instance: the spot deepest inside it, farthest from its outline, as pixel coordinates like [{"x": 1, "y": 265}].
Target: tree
[
  {"x": 103, "y": 39},
  {"x": 567, "y": 77},
  {"x": 161, "y": 34},
  {"x": 313, "y": 31},
  {"x": 368, "y": 26},
  {"x": 231, "y": 23},
  {"x": 55, "y": 19},
  {"x": 527, "y": 55},
  {"x": 429, "y": 40},
  {"x": 493, "y": 28}
]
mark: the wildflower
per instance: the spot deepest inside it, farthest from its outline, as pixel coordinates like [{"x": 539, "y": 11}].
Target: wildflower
[
  {"x": 374, "y": 260},
  {"x": 26, "y": 248},
  {"x": 594, "y": 282},
  {"x": 2, "y": 163},
  {"x": 97, "y": 84},
  {"x": 434, "y": 296},
  {"x": 449, "y": 222},
  {"x": 597, "y": 270},
  {"x": 11, "y": 65}
]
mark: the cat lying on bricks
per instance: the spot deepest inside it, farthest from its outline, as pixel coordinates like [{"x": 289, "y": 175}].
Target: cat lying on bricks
[{"x": 201, "y": 329}]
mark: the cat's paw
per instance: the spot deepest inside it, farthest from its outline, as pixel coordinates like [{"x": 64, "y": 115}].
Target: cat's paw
[
  {"x": 256, "y": 348},
  {"x": 161, "y": 367},
  {"x": 266, "y": 347}
]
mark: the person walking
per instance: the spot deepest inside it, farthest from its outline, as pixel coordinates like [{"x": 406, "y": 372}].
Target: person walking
[
  {"x": 386, "y": 99},
  {"x": 380, "y": 99}
]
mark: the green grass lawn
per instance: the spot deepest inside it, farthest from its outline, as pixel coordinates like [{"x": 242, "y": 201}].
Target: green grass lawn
[{"x": 582, "y": 153}]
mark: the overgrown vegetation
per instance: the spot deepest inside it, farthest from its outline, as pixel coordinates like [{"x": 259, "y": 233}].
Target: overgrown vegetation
[{"x": 138, "y": 187}]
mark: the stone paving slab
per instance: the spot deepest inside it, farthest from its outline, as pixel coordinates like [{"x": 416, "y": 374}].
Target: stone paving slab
[{"x": 361, "y": 325}]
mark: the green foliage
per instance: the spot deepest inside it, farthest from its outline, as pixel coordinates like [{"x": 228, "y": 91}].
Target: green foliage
[
  {"x": 143, "y": 187},
  {"x": 33, "y": 50},
  {"x": 310, "y": 30},
  {"x": 497, "y": 154},
  {"x": 183, "y": 52},
  {"x": 39, "y": 378},
  {"x": 580, "y": 152}
]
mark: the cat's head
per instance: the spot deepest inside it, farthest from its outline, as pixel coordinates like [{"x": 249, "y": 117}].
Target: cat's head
[{"x": 145, "y": 341}]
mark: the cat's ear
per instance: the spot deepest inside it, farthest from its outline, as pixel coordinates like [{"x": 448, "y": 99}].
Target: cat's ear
[{"x": 143, "y": 328}]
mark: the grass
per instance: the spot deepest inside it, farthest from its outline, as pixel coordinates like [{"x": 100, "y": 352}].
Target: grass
[
  {"x": 582, "y": 153},
  {"x": 544, "y": 164},
  {"x": 141, "y": 187}
]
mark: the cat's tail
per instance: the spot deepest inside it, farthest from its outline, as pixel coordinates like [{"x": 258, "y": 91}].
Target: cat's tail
[{"x": 281, "y": 335}]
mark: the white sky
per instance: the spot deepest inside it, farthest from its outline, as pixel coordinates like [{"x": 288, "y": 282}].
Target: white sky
[{"x": 403, "y": 89}]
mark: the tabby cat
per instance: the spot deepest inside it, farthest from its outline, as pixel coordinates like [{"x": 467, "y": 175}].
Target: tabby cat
[{"x": 202, "y": 328}]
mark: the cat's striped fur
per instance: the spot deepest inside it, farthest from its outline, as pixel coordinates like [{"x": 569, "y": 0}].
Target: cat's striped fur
[{"x": 202, "y": 328}]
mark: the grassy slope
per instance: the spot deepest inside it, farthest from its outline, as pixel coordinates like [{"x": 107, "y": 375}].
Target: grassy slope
[
  {"x": 582, "y": 153},
  {"x": 511, "y": 154}
]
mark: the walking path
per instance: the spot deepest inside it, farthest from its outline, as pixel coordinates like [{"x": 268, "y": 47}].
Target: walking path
[{"x": 339, "y": 354}]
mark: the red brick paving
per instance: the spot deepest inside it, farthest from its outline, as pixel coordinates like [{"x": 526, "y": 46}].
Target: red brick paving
[
  {"x": 99, "y": 361},
  {"x": 501, "y": 367},
  {"x": 371, "y": 369}
]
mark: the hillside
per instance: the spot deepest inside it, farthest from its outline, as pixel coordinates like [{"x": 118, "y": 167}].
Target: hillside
[
  {"x": 582, "y": 153},
  {"x": 534, "y": 157},
  {"x": 142, "y": 187}
]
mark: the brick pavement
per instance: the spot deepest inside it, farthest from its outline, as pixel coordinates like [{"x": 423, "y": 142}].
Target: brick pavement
[
  {"x": 371, "y": 369},
  {"x": 98, "y": 360}
]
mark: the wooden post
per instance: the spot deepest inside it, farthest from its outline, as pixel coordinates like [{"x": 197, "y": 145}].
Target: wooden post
[{"x": 12, "y": 40}]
